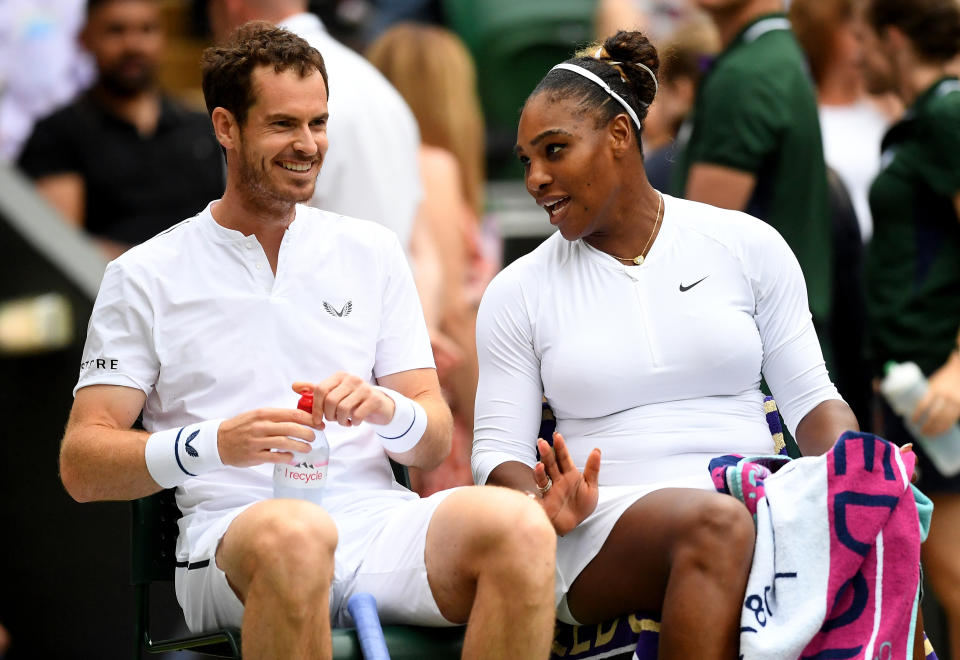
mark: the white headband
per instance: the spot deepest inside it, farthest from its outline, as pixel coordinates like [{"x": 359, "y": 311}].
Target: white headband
[{"x": 590, "y": 75}]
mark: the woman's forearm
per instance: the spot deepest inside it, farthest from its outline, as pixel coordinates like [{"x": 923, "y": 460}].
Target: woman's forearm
[
  {"x": 819, "y": 429},
  {"x": 513, "y": 474}
]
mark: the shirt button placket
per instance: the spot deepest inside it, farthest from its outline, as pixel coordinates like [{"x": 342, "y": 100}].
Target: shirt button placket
[{"x": 254, "y": 257}]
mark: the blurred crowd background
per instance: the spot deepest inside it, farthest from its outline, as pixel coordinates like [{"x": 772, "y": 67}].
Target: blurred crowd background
[{"x": 104, "y": 142}]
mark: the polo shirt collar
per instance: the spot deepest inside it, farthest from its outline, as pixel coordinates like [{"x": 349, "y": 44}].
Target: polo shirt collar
[
  {"x": 220, "y": 234},
  {"x": 750, "y": 33},
  {"x": 215, "y": 230},
  {"x": 944, "y": 85},
  {"x": 758, "y": 27}
]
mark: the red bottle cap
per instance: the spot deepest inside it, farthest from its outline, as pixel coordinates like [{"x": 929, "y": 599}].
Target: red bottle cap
[{"x": 306, "y": 402}]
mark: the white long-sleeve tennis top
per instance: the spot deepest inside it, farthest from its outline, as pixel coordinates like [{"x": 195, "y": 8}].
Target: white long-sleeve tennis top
[{"x": 659, "y": 365}]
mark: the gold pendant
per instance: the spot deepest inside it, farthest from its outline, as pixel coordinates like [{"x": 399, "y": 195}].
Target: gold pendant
[{"x": 638, "y": 260}]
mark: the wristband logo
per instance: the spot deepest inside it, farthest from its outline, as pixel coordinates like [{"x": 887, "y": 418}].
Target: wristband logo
[{"x": 191, "y": 450}]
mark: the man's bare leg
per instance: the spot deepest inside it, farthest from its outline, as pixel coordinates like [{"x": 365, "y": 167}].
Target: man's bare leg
[
  {"x": 278, "y": 557},
  {"x": 490, "y": 556}
]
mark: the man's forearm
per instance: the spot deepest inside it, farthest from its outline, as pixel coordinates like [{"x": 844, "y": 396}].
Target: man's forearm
[{"x": 102, "y": 463}]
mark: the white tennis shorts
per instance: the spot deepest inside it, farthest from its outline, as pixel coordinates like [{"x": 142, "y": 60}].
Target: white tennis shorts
[
  {"x": 578, "y": 547},
  {"x": 382, "y": 554}
]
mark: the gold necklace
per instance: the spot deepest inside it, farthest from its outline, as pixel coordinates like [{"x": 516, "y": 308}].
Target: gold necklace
[{"x": 637, "y": 260}]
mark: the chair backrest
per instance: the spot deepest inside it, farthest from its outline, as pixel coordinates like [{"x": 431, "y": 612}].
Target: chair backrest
[
  {"x": 400, "y": 473},
  {"x": 153, "y": 537}
]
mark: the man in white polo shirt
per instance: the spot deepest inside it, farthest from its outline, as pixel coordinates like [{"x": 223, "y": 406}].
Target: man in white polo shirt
[{"x": 210, "y": 329}]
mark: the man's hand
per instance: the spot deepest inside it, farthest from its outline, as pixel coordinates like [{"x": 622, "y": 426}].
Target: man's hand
[
  {"x": 567, "y": 495},
  {"x": 939, "y": 409},
  {"x": 266, "y": 435},
  {"x": 347, "y": 400}
]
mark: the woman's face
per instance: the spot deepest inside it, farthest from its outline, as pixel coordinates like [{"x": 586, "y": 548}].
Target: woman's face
[{"x": 568, "y": 164}]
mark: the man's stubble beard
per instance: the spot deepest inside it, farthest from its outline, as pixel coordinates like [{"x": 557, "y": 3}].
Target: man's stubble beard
[{"x": 253, "y": 182}]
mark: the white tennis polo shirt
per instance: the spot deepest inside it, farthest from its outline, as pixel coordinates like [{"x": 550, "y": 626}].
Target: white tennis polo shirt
[{"x": 196, "y": 319}]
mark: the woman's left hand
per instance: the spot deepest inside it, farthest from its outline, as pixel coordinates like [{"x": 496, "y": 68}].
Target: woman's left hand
[{"x": 566, "y": 494}]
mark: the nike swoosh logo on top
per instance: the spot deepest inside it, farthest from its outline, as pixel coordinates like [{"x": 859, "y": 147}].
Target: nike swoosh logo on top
[{"x": 687, "y": 288}]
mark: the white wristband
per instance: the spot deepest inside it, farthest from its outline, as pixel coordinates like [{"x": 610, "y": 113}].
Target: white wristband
[
  {"x": 175, "y": 455},
  {"x": 408, "y": 425}
]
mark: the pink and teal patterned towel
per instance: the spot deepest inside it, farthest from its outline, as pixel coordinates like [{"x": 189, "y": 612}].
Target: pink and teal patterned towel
[{"x": 836, "y": 569}]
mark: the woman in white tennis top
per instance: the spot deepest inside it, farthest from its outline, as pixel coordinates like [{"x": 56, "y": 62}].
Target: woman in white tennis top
[{"x": 646, "y": 322}]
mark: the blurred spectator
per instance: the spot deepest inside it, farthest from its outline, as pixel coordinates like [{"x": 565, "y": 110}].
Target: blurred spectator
[
  {"x": 41, "y": 65},
  {"x": 370, "y": 170},
  {"x": 657, "y": 19},
  {"x": 124, "y": 161},
  {"x": 913, "y": 259},
  {"x": 433, "y": 71},
  {"x": 388, "y": 13},
  {"x": 686, "y": 55},
  {"x": 755, "y": 140},
  {"x": 852, "y": 124},
  {"x": 850, "y": 369},
  {"x": 851, "y": 121}
]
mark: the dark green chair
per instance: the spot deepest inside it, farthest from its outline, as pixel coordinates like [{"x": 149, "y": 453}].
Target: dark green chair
[
  {"x": 152, "y": 559},
  {"x": 153, "y": 541}
]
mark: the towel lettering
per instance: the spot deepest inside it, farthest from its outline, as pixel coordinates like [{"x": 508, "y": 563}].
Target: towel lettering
[{"x": 760, "y": 606}]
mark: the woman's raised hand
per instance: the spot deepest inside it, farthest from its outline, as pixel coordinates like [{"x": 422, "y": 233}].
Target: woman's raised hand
[{"x": 566, "y": 494}]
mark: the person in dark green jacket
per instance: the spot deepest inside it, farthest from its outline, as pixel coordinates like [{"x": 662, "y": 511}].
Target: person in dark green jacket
[
  {"x": 913, "y": 261},
  {"x": 753, "y": 141}
]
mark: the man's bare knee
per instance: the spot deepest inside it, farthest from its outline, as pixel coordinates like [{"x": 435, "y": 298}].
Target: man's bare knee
[
  {"x": 529, "y": 531},
  {"x": 288, "y": 544},
  {"x": 517, "y": 537},
  {"x": 492, "y": 536}
]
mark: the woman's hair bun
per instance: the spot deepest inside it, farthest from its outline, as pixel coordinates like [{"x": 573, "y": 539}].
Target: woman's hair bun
[{"x": 630, "y": 48}]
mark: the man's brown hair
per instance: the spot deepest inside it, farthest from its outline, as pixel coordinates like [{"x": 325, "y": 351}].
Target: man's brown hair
[
  {"x": 227, "y": 69},
  {"x": 933, "y": 26}
]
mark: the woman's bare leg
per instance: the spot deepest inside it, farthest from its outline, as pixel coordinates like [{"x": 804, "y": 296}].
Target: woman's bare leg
[{"x": 684, "y": 552}]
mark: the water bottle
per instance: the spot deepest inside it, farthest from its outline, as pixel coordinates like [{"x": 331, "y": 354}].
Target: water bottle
[
  {"x": 307, "y": 478},
  {"x": 903, "y": 386}
]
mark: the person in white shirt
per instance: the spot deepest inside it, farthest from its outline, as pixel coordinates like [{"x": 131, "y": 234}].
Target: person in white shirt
[
  {"x": 646, "y": 323},
  {"x": 372, "y": 171},
  {"x": 852, "y": 121},
  {"x": 42, "y": 65},
  {"x": 213, "y": 326}
]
